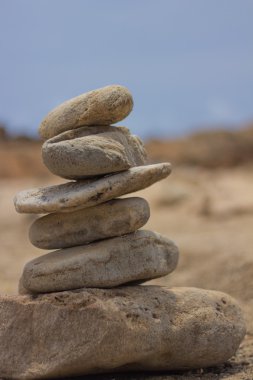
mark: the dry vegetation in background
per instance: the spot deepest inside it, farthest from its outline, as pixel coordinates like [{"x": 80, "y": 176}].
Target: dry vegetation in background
[{"x": 211, "y": 149}]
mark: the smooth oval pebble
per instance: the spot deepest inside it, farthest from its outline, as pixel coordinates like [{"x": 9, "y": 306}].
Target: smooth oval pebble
[
  {"x": 132, "y": 328},
  {"x": 113, "y": 218},
  {"x": 139, "y": 256},
  {"x": 103, "y": 106},
  {"x": 72, "y": 196},
  {"x": 87, "y": 152}
]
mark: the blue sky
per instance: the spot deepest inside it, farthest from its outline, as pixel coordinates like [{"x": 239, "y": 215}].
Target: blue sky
[{"x": 188, "y": 63}]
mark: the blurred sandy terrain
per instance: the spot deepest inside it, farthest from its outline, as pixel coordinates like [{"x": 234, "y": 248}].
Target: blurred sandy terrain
[{"x": 208, "y": 213}]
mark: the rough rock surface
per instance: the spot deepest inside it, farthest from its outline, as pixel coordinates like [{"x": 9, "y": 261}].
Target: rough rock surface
[
  {"x": 103, "y": 106},
  {"x": 113, "y": 218},
  {"x": 86, "y": 152},
  {"x": 128, "y": 328},
  {"x": 72, "y": 196},
  {"x": 140, "y": 256}
]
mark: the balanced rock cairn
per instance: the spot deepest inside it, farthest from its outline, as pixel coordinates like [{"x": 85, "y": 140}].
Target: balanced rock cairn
[{"x": 84, "y": 311}]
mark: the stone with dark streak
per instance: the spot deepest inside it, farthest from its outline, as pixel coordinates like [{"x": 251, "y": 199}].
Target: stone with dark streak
[{"x": 72, "y": 196}]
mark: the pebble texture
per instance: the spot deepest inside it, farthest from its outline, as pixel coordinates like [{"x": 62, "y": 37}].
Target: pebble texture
[
  {"x": 86, "y": 152},
  {"x": 113, "y": 218},
  {"x": 139, "y": 256},
  {"x": 72, "y": 196},
  {"x": 103, "y": 106},
  {"x": 129, "y": 328}
]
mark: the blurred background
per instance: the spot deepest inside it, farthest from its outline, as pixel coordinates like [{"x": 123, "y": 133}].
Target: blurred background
[{"x": 189, "y": 66}]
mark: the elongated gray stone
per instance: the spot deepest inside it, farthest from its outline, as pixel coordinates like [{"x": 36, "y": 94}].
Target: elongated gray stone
[
  {"x": 72, "y": 196},
  {"x": 103, "y": 106},
  {"x": 113, "y": 218},
  {"x": 86, "y": 152},
  {"x": 139, "y": 256},
  {"x": 122, "y": 329}
]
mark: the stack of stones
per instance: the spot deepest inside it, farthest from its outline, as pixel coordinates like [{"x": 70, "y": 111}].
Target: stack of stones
[
  {"x": 97, "y": 233},
  {"x": 82, "y": 308}
]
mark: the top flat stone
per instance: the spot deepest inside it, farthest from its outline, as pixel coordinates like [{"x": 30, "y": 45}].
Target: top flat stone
[
  {"x": 103, "y": 106},
  {"x": 73, "y": 196}
]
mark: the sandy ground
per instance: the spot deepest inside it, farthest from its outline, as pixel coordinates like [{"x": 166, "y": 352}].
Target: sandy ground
[{"x": 209, "y": 214}]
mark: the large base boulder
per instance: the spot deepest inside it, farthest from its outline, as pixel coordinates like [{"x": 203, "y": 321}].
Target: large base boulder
[{"x": 130, "y": 328}]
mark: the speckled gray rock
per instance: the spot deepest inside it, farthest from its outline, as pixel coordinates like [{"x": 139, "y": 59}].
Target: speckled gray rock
[
  {"x": 138, "y": 256},
  {"x": 121, "y": 329},
  {"x": 86, "y": 152},
  {"x": 72, "y": 196},
  {"x": 103, "y": 106},
  {"x": 113, "y": 218}
]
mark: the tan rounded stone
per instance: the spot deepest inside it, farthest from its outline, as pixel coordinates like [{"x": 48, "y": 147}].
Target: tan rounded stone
[
  {"x": 103, "y": 106},
  {"x": 134, "y": 328},
  {"x": 72, "y": 196},
  {"x": 139, "y": 256},
  {"x": 113, "y": 218},
  {"x": 86, "y": 152}
]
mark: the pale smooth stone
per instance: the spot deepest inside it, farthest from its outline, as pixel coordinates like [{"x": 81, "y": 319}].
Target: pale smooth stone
[
  {"x": 113, "y": 218},
  {"x": 142, "y": 328},
  {"x": 86, "y": 152},
  {"x": 139, "y": 256},
  {"x": 72, "y": 196},
  {"x": 103, "y": 106}
]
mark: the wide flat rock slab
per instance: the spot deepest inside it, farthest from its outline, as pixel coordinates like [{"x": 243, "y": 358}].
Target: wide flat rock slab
[
  {"x": 87, "y": 152},
  {"x": 113, "y": 218},
  {"x": 103, "y": 106},
  {"x": 123, "y": 329},
  {"x": 140, "y": 256},
  {"x": 72, "y": 196}
]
